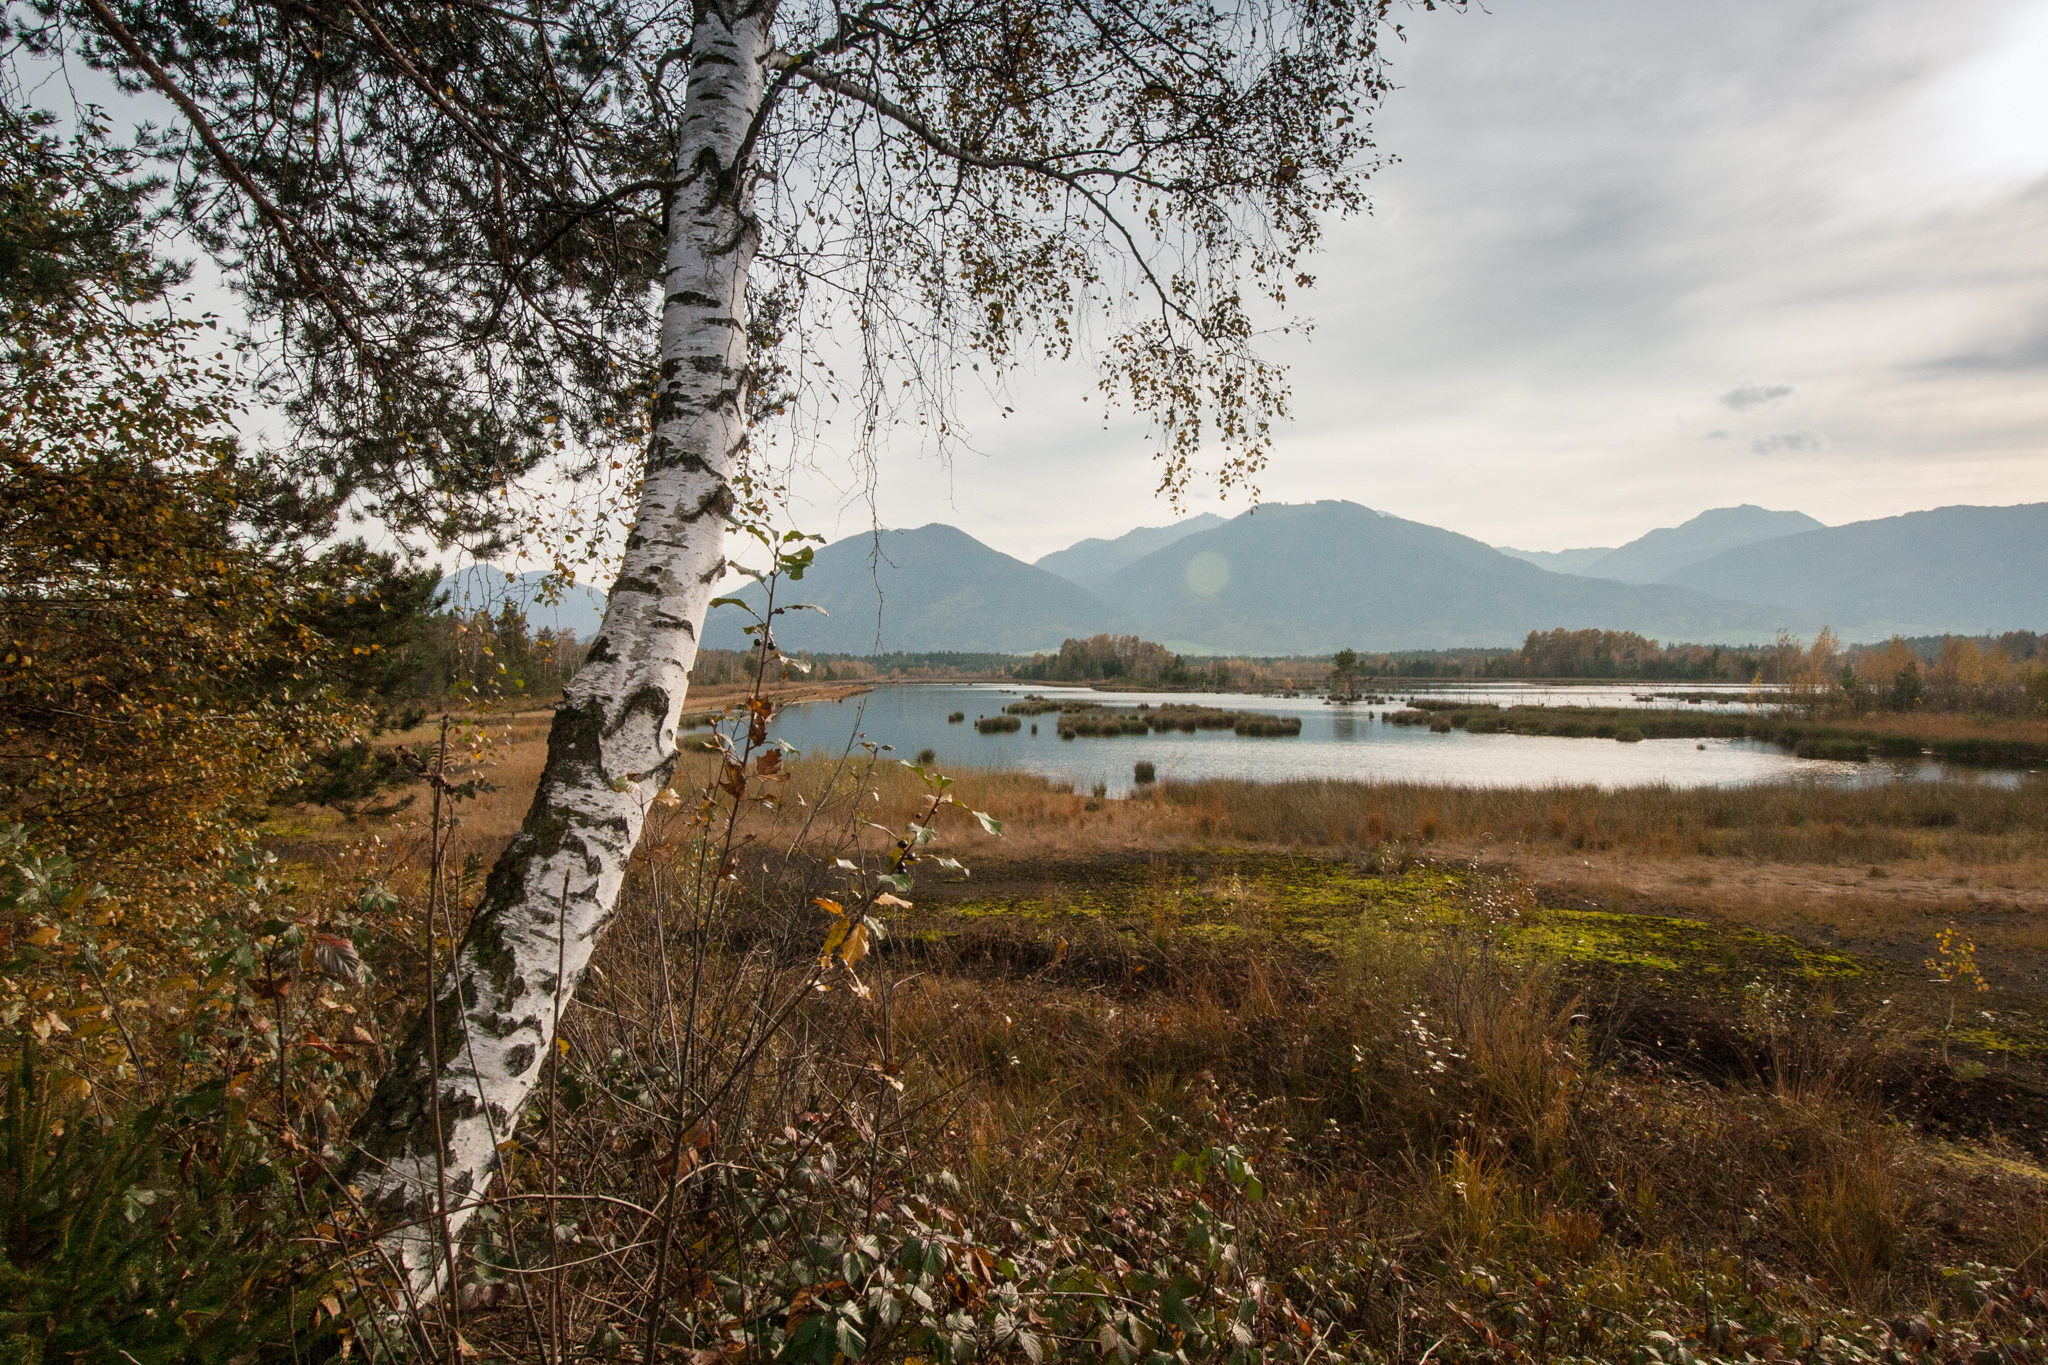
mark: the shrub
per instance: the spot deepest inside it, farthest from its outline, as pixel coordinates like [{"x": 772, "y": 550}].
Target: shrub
[
  {"x": 926, "y": 757},
  {"x": 956, "y": 718},
  {"x": 1145, "y": 773},
  {"x": 998, "y": 725},
  {"x": 115, "y": 1249}
]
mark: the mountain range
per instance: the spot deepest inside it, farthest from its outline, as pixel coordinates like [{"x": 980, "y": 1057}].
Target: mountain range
[
  {"x": 1649, "y": 558},
  {"x": 1092, "y": 563},
  {"x": 932, "y": 588},
  {"x": 1310, "y": 578},
  {"x": 1964, "y": 569}
]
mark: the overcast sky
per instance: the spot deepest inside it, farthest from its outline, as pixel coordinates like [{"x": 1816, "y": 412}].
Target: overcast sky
[{"x": 1638, "y": 259}]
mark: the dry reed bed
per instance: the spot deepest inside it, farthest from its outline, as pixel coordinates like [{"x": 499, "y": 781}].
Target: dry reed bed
[{"x": 1962, "y": 823}]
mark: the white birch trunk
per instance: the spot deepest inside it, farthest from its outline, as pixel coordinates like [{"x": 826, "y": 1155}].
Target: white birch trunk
[{"x": 613, "y": 744}]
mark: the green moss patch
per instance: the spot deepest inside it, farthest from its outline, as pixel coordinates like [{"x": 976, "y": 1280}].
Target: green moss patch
[
  {"x": 1316, "y": 905},
  {"x": 1662, "y": 943}
]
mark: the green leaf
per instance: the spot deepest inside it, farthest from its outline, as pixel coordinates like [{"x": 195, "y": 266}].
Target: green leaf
[
  {"x": 988, "y": 822},
  {"x": 1173, "y": 1306},
  {"x": 736, "y": 602}
]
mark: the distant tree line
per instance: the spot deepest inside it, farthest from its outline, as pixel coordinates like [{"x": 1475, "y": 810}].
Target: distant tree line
[
  {"x": 1122, "y": 658},
  {"x": 1625, "y": 654},
  {"x": 1941, "y": 671},
  {"x": 2006, "y": 673}
]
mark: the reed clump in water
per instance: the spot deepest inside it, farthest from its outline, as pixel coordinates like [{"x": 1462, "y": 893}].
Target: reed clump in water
[{"x": 1094, "y": 720}]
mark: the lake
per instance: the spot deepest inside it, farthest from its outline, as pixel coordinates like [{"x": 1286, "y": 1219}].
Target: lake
[{"x": 1335, "y": 741}]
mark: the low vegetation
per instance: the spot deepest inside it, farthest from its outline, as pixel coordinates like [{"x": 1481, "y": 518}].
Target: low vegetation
[
  {"x": 1855, "y": 737},
  {"x": 1093, "y": 720},
  {"x": 1372, "y": 1071}
]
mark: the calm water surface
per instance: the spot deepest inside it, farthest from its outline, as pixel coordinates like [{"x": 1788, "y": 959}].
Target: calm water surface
[{"x": 1338, "y": 742}]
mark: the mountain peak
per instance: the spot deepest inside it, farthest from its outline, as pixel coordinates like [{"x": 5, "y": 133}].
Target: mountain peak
[
  {"x": 1090, "y": 563},
  {"x": 1653, "y": 557},
  {"x": 932, "y": 587}
]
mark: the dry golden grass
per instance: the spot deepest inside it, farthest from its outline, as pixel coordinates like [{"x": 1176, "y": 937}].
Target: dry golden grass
[{"x": 1937, "y": 725}]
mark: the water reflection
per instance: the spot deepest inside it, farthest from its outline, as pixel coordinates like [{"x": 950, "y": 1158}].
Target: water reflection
[{"x": 1335, "y": 742}]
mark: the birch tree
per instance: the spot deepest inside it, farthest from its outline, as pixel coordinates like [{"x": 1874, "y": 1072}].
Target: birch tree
[{"x": 487, "y": 238}]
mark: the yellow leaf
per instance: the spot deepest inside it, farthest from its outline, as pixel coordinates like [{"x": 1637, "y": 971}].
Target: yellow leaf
[
  {"x": 829, "y": 906},
  {"x": 44, "y": 936},
  {"x": 833, "y": 939},
  {"x": 856, "y": 946}
]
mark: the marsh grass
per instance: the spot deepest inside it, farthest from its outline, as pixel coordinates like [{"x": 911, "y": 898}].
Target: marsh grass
[
  {"x": 1970, "y": 822},
  {"x": 1461, "y": 1153},
  {"x": 1441, "y": 1101}
]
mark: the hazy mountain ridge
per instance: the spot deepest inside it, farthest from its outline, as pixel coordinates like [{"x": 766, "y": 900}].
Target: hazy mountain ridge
[
  {"x": 1653, "y": 556},
  {"x": 1559, "y": 561},
  {"x": 1961, "y": 569},
  {"x": 1309, "y": 578},
  {"x": 1093, "y": 562},
  {"x": 940, "y": 589}
]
